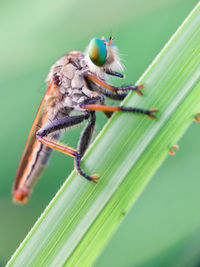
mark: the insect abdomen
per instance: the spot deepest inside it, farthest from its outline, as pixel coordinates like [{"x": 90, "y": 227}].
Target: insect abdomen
[{"x": 38, "y": 160}]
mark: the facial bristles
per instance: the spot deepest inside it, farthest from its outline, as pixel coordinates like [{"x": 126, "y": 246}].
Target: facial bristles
[{"x": 103, "y": 55}]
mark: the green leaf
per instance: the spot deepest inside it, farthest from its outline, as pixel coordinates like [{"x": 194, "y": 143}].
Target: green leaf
[{"x": 82, "y": 217}]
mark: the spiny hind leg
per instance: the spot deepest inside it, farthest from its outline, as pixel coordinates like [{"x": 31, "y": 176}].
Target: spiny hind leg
[{"x": 42, "y": 136}]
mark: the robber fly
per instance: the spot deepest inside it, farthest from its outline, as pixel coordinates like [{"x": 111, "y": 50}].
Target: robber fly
[{"x": 76, "y": 82}]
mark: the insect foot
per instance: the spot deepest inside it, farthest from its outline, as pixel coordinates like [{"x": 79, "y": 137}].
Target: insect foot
[
  {"x": 138, "y": 91},
  {"x": 152, "y": 116},
  {"x": 94, "y": 177},
  {"x": 77, "y": 166},
  {"x": 171, "y": 151},
  {"x": 132, "y": 87},
  {"x": 197, "y": 117}
]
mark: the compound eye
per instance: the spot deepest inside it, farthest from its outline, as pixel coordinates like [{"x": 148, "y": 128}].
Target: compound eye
[{"x": 97, "y": 51}]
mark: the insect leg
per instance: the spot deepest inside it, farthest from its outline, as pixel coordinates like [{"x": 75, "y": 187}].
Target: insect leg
[
  {"x": 120, "y": 108},
  {"x": 94, "y": 101},
  {"x": 83, "y": 144},
  {"x": 132, "y": 87},
  {"x": 86, "y": 134},
  {"x": 112, "y": 95},
  {"x": 92, "y": 79},
  {"x": 41, "y": 135},
  {"x": 61, "y": 124},
  {"x": 105, "y": 91}
]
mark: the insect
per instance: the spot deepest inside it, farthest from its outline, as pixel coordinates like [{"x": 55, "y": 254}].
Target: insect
[{"x": 76, "y": 82}]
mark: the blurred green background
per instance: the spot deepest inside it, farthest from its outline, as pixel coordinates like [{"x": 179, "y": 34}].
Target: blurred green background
[{"x": 163, "y": 228}]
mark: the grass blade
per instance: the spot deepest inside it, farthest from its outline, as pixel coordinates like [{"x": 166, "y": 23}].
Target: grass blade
[{"x": 81, "y": 218}]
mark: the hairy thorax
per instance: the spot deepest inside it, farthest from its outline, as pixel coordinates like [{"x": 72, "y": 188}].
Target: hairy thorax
[{"x": 72, "y": 87}]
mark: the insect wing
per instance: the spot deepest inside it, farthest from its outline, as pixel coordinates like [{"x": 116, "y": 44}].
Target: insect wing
[{"x": 31, "y": 142}]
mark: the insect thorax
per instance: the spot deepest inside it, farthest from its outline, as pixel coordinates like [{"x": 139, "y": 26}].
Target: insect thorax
[{"x": 73, "y": 89}]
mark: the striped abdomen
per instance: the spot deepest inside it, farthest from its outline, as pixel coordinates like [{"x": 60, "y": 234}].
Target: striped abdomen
[{"x": 34, "y": 159}]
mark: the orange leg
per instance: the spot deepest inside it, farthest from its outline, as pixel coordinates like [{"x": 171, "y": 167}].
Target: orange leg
[
  {"x": 62, "y": 148},
  {"x": 69, "y": 151},
  {"x": 119, "y": 108},
  {"x": 90, "y": 77}
]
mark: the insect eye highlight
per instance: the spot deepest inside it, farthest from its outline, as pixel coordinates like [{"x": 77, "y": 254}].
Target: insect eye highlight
[{"x": 97, "y": 51}]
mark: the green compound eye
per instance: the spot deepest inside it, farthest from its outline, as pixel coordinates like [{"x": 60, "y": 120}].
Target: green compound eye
[{"x": 97, "y": 51}]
